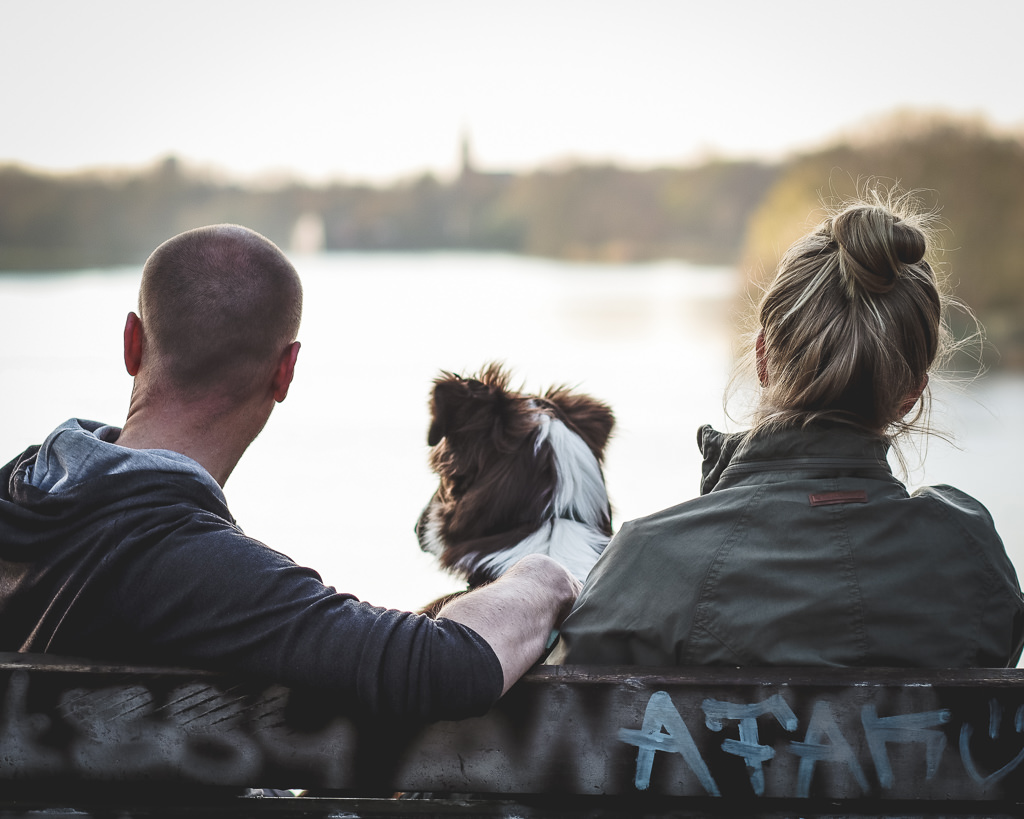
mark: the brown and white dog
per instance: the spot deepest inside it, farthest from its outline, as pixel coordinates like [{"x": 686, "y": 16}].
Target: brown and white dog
[{"x": 518, "y": 474}]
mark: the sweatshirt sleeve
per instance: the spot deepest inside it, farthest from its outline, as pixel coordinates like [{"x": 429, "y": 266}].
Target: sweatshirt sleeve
[{"x": 210, "y": 596}]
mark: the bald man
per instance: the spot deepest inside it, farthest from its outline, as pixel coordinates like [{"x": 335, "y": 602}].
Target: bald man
[{"x": 117, "y": 543}]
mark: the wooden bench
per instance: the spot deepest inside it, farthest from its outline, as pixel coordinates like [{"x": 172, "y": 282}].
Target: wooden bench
[{"x": 116, "y": 741}]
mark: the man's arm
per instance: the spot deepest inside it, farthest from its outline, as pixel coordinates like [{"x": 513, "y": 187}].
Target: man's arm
[{"x": 516, "y": 613}]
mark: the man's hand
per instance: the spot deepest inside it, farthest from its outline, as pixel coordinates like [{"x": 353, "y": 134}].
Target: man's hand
[{"x": 517, "y": 612}]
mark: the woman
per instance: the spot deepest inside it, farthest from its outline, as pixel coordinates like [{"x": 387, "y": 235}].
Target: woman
[{"x": 803, "y": 549}]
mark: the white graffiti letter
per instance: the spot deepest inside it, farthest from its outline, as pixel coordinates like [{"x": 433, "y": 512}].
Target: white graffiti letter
[
  {"x": 812, "y": 750},
  {"x": 904, "y": 728},
  {"x": 995, "y": 712},
  {"x": 747, "y": 747},
  {"x": 676, "y": 738}
]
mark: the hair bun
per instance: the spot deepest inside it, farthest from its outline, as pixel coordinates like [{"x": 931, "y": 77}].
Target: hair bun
[
  {"x": 874, "y": 246},
  {"x": 908, "y": 242}
]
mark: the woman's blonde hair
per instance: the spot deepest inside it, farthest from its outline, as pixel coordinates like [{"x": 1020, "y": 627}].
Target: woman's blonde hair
[{"x": 852, "y": 322}]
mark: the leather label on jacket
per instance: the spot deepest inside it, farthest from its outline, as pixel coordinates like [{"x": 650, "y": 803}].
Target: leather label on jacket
[{"x": 831, "y": 498}]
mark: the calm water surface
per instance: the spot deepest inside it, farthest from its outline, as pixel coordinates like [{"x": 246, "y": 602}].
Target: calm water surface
[{"x": 339, "y": 476}]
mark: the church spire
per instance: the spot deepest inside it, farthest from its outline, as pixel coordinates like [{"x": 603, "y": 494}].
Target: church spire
[{"x": 467, "y": 168}]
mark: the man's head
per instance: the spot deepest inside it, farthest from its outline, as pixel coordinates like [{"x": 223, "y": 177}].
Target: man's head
[{"x": 218, "y": 307}]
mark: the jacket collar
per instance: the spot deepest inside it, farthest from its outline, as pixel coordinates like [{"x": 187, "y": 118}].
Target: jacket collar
[{"x": 810, "y": 446}]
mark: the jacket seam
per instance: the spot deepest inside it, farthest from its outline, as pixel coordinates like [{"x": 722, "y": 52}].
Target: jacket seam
[
  {"x": 737, "y": 656},
  {"x": 991, "y": 575},
  {"x": 774, "y": 465},
  {"x": 840, "y": 521},
  {"x": 700, "y": 617}
]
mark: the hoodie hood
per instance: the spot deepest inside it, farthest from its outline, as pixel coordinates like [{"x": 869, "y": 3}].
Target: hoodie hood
[
  {"x": 79, "y": 451},
  {"x": 78, "y": 505}
]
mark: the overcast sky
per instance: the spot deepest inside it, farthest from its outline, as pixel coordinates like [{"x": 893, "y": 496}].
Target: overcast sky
[{"x": 378, "y": 89}]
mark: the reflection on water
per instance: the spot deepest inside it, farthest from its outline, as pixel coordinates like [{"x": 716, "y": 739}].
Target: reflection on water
[{"x": 338, "y": 477}]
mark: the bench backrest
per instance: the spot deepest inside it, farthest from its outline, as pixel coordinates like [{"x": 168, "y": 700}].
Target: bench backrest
[{"x": 870, "y": 736}]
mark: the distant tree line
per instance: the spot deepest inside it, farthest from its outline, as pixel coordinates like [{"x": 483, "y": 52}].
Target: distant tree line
[
  {"x": 726, "y": 212},
  {"x": 586, "y": 212}
]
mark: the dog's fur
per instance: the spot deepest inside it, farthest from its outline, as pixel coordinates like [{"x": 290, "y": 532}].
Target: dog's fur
[{"x": 518, "y": 474}]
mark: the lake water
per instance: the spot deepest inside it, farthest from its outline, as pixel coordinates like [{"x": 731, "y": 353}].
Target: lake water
[{"x": 339, "y": 476}]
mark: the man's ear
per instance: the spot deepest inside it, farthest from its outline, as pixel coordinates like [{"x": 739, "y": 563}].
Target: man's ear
[
  {"x": 285, "y": 371},
  {"x": 133, "y": 344}
]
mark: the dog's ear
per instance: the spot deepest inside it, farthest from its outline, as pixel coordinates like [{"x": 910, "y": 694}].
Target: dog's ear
[
  {"x": 592, "y": 420},
  {"x": 481, "y": 404},
  {"x": 495, "y": 376},
  {"x": 458, "y": 402},
  {"x": 448, "y": 390}
]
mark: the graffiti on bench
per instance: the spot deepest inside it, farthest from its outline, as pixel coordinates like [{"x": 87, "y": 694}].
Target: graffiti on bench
[
  {"x": 554, "y": 733},
  {"x": 664, "y": 730}
]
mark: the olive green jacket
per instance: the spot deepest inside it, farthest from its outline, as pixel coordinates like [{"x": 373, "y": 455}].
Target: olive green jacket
[{"x": 802, "y": 550}]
